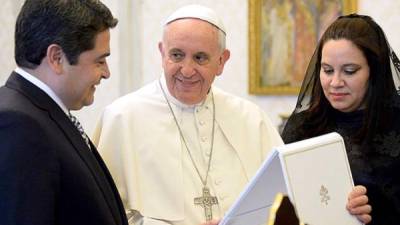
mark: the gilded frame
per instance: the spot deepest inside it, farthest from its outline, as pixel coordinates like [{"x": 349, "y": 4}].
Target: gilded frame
[{"x": 257, "y": 84}]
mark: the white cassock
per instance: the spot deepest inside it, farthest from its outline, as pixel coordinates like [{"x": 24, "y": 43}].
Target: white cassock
[{"x": 140, "y": 142}]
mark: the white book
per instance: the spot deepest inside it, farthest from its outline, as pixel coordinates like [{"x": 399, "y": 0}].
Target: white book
[{"x": 314, "y": 173}]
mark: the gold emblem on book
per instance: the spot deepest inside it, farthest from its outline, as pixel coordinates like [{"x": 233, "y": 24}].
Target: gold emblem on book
[{"x": 324, "y": 193}]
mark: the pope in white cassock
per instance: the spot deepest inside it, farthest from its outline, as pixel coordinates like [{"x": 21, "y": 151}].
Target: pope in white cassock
[{"x": 181, "y": 150}]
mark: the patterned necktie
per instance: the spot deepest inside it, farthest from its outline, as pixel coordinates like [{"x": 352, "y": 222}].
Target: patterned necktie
[{"x": 78, "y": 125}]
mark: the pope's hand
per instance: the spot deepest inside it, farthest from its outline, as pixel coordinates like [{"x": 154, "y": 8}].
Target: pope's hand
[
  {"x": 212, "y": 222},
  {"x": 357, "y": 204}
]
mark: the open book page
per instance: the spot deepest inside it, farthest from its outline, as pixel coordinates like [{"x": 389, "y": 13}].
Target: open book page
[{"x": 253, "y": 205}]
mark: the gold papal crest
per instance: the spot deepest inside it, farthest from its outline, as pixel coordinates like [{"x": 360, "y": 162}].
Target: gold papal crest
[{"x": 324, "y": 193}]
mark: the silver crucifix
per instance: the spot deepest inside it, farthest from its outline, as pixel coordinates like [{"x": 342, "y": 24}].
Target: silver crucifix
[{"x": 206, "y": 201}]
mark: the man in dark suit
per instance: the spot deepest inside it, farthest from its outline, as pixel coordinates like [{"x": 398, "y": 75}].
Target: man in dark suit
[{"x": 50, "y": 172}]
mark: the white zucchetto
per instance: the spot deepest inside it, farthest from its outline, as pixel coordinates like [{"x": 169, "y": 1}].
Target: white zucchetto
[{"x": 196, "y": 12}]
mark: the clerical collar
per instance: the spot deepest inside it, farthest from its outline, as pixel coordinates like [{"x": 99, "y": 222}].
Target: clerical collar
[
  {"x": 44, "y": 87},
  {"x": 206, "y": 103}
]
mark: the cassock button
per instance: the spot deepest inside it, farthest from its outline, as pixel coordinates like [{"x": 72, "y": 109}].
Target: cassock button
[
  {"x": 202, "y": 123},
  {"x": 203, "y": 139},
  {"x": 217, "y": 182}
]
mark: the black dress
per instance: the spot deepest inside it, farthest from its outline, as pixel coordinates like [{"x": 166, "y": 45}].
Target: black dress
[{"x": 374, "y": 164}]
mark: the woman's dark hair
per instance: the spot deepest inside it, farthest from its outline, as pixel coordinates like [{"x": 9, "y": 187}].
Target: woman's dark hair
[
  {"x": 368, "y": 36},
  {"x": 71, "y": 24}
]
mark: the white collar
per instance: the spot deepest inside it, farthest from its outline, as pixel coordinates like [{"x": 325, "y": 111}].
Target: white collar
[
  {"x": 176, "y": 102},
  {"x": 44, "y": 87}
]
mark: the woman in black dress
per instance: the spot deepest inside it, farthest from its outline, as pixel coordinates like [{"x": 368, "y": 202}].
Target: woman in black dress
[{"x": 351, "y": 87}]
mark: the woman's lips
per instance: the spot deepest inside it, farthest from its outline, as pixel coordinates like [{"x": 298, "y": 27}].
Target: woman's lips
[{"x": 338, "y": 96}]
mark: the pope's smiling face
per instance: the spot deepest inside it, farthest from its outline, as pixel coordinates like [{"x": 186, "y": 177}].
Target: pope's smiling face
[{"x": 191, "y": 58}]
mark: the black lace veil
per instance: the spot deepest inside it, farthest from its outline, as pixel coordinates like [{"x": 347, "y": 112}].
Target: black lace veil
[{"x": 395, "y": 68}]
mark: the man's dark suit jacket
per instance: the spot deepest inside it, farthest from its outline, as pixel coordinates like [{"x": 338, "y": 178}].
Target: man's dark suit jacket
[{"x": 48, "y": 175}]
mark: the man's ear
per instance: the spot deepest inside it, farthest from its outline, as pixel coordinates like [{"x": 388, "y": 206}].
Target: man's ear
[
  {"x": 161, "y": 49},
  {"x": 55, "y": 58},
  {"x": 226, "y": 54},
  {"x": 163, "y": 54}
]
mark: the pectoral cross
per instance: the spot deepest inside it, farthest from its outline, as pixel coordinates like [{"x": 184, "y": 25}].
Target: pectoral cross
[{"x": 206, "y": 201}]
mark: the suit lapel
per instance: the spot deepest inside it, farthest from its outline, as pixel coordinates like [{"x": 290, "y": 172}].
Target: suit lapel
[
  {"x": 91, "y": 159},
  {"x": 110, "y": 187}
]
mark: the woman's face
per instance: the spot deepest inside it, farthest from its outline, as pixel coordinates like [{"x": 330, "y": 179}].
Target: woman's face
[{"x": 344, "y": 75}]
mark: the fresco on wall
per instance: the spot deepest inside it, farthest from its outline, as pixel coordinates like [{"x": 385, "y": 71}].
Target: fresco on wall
[{"x": 288, "y": 33}]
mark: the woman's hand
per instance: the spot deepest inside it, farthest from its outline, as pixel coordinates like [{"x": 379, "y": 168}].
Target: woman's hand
[{"x": 357, "y": 204}]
